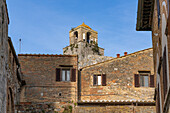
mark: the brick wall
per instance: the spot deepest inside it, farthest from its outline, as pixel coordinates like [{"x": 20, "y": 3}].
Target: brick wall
[{"x": 39, "y": 71}]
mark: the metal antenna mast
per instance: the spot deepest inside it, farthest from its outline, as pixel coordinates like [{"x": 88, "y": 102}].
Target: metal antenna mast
[{"x": 20, "y": 45}]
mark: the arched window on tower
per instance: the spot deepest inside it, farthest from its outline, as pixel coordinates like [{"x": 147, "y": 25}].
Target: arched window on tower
[
  {"x": 76, "y": 35},
  {"x": 88, "y": 37}
]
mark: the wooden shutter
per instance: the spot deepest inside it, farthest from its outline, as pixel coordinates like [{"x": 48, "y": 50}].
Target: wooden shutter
[
  {"x": 73, "y": 75},
  {"x": 103, "y": 79},
  {"x": 94, "y": 79},
  {"x": 152, "y": 81},
  {"x": 58, "y": 75},
  {"x": 136, "y": 80}
]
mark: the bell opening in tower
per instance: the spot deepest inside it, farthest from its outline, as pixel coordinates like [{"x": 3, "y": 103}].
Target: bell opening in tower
[
  {"x": 76, "y": 35},
  {"x": 88, "y": 37}
]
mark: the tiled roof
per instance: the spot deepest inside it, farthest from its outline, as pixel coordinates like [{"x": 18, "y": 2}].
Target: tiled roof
[
  {"x": 116, "y": 101},
  {"x": 47, "y": 55}
]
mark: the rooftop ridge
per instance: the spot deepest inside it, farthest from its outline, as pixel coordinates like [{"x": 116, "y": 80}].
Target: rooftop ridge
[
  {"x": 118, "y": 58},
  {"x": 47, "y": 55}
]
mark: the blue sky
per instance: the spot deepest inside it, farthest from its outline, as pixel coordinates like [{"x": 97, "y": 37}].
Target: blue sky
[{"x": 44, "y": 25}]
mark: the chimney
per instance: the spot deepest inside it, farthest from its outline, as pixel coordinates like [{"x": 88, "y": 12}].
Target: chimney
[
  {"x": 118, "y": 55},
  {"x": 125, "y": 53}
]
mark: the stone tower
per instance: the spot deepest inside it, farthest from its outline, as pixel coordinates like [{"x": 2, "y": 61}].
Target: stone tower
[{"x": 83, "y": 42}]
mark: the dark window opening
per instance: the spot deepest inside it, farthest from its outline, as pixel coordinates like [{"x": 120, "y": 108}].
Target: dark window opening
[
  {"x": 59, "y": 94},
  {"x": 76, "y": 35},
  {"x": 158, "y": 13},
  {"x": 164, "y": 72},
  {"x": 88, "y": 37}
]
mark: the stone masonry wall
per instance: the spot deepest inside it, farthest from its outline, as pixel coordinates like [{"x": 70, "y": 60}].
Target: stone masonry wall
[
  {"x": 83, "y": 49},
  {"x": 46, "y": 107},
  {"x": 39, "y": 71},
  {"x": 92, "y": 59},
  {"x": 71, "y": 108},
  {"x": 3, "y": 54},
  {"x": 119, "y": 78}
]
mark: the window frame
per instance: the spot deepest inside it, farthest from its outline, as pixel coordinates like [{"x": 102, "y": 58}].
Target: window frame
[
  {"x": 102, "y": 82},
  {"x": 137, "y": 79},
  {"x": 97, "y": 80},
  {"x": 73, "y": 73},
  {"x": 144, "y": 73}
]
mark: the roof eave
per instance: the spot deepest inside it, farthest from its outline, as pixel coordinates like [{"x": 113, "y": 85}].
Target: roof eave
[{"x": 141, "y": 15}]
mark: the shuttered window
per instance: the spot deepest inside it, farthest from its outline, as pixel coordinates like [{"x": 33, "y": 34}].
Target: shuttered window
[
  {"x": 65, "y": 74},
  {"x": 99, "y": 79},
  {"x": 144, "y": 79}
]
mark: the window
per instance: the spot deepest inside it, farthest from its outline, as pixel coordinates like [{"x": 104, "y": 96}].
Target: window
[
  {"x": 144, "y": 79},
  {"x": 99, "y": 80},
  {"x": 158, "y": 12},
  {"x": 66, "y": 74}
]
